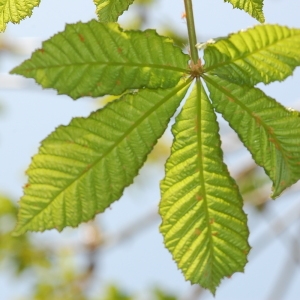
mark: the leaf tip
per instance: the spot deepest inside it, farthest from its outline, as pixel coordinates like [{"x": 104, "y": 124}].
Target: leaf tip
[
  {"x": 275, "y": 193},
  {"x": 14, "y": 70},
  {"x": 262, "y": 21},
  {"x": 19, "y": 230}
]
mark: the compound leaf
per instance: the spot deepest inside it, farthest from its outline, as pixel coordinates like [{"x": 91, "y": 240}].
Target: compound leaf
[
  {"x": 83, "y": 167},
  {"x": 110, "y": 10},
  {"x": 269, "y": 131},
  {"x": 15, "y": 10},
  {"x": 203, "y": 223},
  {"x": 253, "y": 7},
  {"x": 95, "y": 59},
  {"x": 264, "y": 53}
]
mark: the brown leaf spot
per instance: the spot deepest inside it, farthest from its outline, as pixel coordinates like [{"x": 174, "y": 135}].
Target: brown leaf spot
[
  {"x": 120, "y": 50},
  {"x": 257, "y": 119},
  {"x": 230, "y": 99},
  {"x": 225, "y": 88},
  {"x": 212, "y": 221},
  {"x": 199, "y": 198},
  {"x": 214, "y": 233},
  {"x": 197, "y": 231},
  {"x": 283, "y": 183},
  {"x": 118, "y": 82},
  {"x": 87, "y": 167},
  {"x": 41, "y": 50},
  {"x": 81, "y": 37},
  {"x": 275, "y": 142},
  {"x": 271, "y": 130},
  {"x": 27, "y": 185}
]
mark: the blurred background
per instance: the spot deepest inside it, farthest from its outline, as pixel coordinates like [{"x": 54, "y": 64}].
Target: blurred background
[{"x": 120, "y": 254}]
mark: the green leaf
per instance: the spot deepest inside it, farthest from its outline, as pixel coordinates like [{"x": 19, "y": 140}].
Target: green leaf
[
  {"x": 110, "y": 10},
  {"x": 204, "y": 226},
  {"x": 83, "y": 167},
  {"x": 264, "y": 53},
  {"x": 268, "y": 130},
  {"x": 15, "y": 10},
  {"x": 95, "y": 59},
  {"x": 7, "y": 206},
  {"x": 253, "y": 7}
]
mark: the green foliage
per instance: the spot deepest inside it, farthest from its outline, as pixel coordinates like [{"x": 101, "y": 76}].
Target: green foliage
[
  {"x": 109, "y": 11},
  {"x": 113, "y": 293},
  {"x": 83, "y": 167},
  {"x": 15, "y": 10},
  {"x": 203, "y": 224},
  {"x": 269, "y": 131},
  {"x": 265, "y": 53},
  {"x": 253, "y": 7},
  {"x": 52, "y": 268},
  {"x": 78, "y": 62},
  {"x": 163, "y": 296},
  {"x": 18, "y": 251}
]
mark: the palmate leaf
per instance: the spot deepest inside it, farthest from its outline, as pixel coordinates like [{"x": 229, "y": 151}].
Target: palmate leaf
[
  {"x": 264, "y": 53},
  {"x": 269, "y": 131},
  {"x": 204, "y": 226},
  {"x": 253, "y": 7},
  {"x": 83, "y": 167},
  {"x": 110, "y": 10},
  {"x": 15, "y": 10},
  {"x": 95, "y": 59}
]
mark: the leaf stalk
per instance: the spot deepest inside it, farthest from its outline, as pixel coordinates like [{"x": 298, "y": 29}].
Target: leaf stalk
[{"x": 191, "y": 30}]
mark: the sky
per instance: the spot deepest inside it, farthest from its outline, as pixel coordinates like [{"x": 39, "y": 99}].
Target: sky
[{"x": 30, "y": 114}]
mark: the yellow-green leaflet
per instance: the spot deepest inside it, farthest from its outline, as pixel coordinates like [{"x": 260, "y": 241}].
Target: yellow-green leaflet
[
  {"x": 264, "y": 53},
  {"x": 78, "y": 62},
  {"x": 15, "y": 10},
  {"x": 269, "y": 131},
  {"x": 203, "y": 223},
  {"x": 83, "y": 167},
  {"x": 253, "y": 7},
  {"x": 110, "y": 10}
]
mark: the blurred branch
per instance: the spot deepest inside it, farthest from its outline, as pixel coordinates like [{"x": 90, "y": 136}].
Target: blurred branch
[
  {"x": 18, "y": 46},
  {"x": 11, "y": 82},
  {"x": 93, "y": 239},
  {"x": 285, "y": 276},
  {"x": 277, "y": 227}
]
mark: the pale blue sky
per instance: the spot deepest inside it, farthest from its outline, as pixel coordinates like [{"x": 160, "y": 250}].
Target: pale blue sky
[{"x": 30, "y": 114}]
